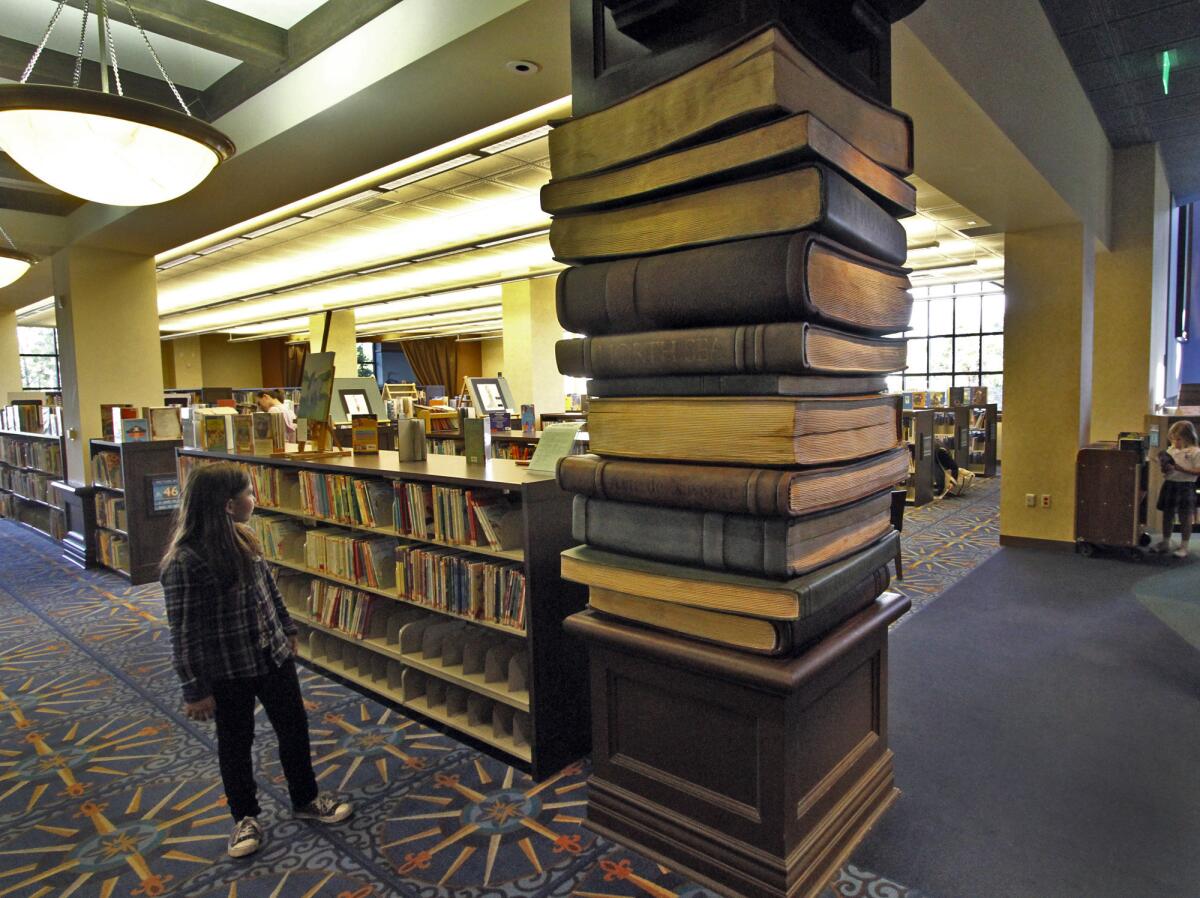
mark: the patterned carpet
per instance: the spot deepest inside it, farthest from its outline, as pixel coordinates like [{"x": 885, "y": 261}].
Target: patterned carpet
[{"x": 107, "y": 790}]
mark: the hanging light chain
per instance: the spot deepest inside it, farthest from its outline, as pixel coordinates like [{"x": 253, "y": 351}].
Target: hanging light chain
[
  {"x": 157, "y": 61},
  {"x": 82, "y": 41},
  {"x": 40, "y": 47},
  {"x": 9, "y": 239},
  {"x": 112, "y": 48}
]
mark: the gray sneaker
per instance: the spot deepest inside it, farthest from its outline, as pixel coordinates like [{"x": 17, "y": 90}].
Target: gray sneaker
[
  {"x": 325, "y": 808},
  {"x": 246, "y": 838}
]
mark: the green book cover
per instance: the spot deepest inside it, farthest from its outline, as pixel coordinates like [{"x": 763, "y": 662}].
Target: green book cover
[
  {"x": 477, "y": 440},
  {"x": 557, "y": 441}
]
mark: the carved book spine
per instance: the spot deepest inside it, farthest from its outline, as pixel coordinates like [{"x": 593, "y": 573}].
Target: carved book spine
[
  {"x": 793, "y": 277},
  {"x": 751, "y": 349}
]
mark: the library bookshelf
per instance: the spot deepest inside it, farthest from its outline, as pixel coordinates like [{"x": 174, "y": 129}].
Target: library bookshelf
[
  {"x": 135, "y": 492},
  {"x": 503, "y": 672},
  {"x": 29, "y": 463},
  {"x": 506, "y": 444}
]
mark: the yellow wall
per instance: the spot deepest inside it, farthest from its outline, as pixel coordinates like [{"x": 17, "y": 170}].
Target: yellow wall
[
  {"x": 189, "y": 364},
  {"x": 10, "y": 362},
  {"x": 168, "y": 365},
  {"x": 108, "y": 341},
  {"x": 1049, "y": 278},
  {"x": 342, "y": 340},
  {"x": 230, "y": 364},
  {"x": 531, "y": 329},
  {"x": 1129, "y": 299},
  {"x": 491, "y": 357}
]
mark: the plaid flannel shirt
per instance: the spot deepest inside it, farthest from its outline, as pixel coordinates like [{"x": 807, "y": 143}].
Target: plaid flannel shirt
[{"x": 218, "y": 634}]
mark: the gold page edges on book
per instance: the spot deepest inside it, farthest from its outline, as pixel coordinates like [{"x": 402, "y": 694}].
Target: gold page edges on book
[
  {"x": 730, "y": 629},
  {"x": 776, "y": 431},
  {"x": 776, "y": 145},
  {"x": 759, "y": 79},
  {"x": 772, "y": 205},
  {"x": 761, "y": 601},
  {"x": 843, "y": 290}
]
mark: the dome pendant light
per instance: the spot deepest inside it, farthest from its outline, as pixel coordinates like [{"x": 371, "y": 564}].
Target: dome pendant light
[
  {"x": 13, "y": 263},
  {"x": 103, "y": 147}
]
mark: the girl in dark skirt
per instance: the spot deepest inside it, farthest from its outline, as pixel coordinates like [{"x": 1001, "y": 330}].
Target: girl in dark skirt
[{"x": 1180, "y": 465}]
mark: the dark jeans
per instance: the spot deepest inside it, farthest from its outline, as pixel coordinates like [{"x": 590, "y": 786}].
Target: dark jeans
[{"x": 279, "y": 692}]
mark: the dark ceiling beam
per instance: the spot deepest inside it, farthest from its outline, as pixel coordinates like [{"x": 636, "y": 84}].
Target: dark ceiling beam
[
  {"x": 319, "y": 30},
  {"x": 22, "y": 200},
  {"x": 54, "y": 67},
  {"x": 204, "y": 24}
]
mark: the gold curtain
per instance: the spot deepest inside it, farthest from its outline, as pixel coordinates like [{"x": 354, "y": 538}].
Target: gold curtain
[
  {"x": 294, "y": 365},
  {"x": 434, "y": 361}
]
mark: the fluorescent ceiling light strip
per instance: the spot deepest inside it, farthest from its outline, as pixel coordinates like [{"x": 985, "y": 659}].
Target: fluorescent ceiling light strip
[
  {"x": 444, "y": 254},
  {"x": 338, "y": 204},
  {"x": 488, "y": 282},
  {"x": 966, "y": 264},
  {"x": 430, "y": 171},
  {"x": 188, "y": 258},
  {"x": 378, "y": 268},
  {"x": 559, "y": 108},
  {"x": 217, "y": 247},
  {"x": 272, "y": 228},
  {"x": 931, "y": 244},
  {"x": 501, "y": 145},
  {"x": 512, "y": 239}
]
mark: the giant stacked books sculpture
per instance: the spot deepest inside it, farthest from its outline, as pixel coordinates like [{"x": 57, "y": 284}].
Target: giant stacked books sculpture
[{"x": 736, "y": 271}]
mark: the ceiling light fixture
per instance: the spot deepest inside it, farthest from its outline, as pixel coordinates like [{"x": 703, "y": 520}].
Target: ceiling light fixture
[
  {"x": 966, "y": 264},
  {"x": 13, "y": 262},
  {"x": 272, "y": 228},
  {"x": 501, "y": 145},
  {"x": 338, "y": 204},
  {"x": 430, "y": 171},
  {"x": 103, "y": 147}
]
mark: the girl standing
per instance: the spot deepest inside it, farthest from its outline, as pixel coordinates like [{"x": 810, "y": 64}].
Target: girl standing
[
  {"x": 1181, "y": 464},
  {"x": 233, "y": 642}
]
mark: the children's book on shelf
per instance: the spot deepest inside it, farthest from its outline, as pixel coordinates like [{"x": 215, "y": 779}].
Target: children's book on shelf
[
  {"x": 528, "y": 420},
  {"x": 106, "y": 469},
  {"x": 164, "y": 422},
  {"x": 243, "y": 434},
  {"x": 477, "y": 440},
  {"x": 215, "y": 437},
  {"x": 364, "y": 434},
  {"x": 262, "y": 442},
  {"x": 111, "y": 416},
  {"x": 135, "y": 430}
]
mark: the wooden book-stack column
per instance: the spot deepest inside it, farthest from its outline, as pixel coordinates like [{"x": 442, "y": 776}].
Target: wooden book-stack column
[{"x": 754, "y": 771}]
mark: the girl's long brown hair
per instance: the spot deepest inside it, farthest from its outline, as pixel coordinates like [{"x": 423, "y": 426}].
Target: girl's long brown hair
[{"x": 204, "y": 526}]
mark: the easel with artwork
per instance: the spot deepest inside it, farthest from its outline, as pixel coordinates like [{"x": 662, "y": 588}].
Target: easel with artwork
[{"x": 316, "y": 392}]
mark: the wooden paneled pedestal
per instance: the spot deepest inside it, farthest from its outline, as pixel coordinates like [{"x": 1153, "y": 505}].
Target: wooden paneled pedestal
[{"x": 754, "y": 776}]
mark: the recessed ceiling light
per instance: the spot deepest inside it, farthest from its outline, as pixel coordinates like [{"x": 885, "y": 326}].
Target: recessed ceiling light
[
  {"x": 337, "y": 204},
  {"x": 522, "y": 67},
  {"x": 502, "y": 145},
  {"x": 217, "y": 247},
  {"x": 188, "y": 258},
  {"x": 430, "y": 171},
  {"x": 272, "y": 228}
]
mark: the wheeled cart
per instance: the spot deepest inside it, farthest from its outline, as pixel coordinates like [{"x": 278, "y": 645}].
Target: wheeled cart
[{"x": 1110, "y": 499}]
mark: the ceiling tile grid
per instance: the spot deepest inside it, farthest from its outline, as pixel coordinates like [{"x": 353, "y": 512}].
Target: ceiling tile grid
[{"x": 1116, "y": 47}]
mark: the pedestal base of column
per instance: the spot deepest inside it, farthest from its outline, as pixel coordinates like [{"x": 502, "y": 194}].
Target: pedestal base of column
[{"x": 754, "y": 776}]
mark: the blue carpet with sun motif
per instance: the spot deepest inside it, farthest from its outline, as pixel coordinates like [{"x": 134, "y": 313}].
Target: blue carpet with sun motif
[{"x": 107, "y": 790}]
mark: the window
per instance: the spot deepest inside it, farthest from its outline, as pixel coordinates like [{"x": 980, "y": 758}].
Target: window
[
  {"x": 366, "y": 359},
  {"x": 38, "y": 348},
  {"x": 956, "y": 339}
]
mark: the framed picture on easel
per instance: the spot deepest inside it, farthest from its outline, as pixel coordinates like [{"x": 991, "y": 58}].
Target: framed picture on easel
[{"x": 316, "y": 386}]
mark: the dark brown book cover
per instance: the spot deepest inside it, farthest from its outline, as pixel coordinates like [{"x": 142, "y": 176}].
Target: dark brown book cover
[
  {"x": 746, "y": 634},
  {"x": 774, "y": 146},
  {"x": 762, "y": 78},
  {"x": 734, "y": 385},
  {"x": 734, "y": 490},
  {"x": 812, "y": 196},
  {"x": 790, "y": 277},
  {"x": 780, "y": 547},
  {"x": 791, "y": 348}
]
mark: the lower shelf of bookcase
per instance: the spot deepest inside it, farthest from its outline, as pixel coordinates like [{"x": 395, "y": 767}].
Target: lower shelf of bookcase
[
  {"x": 451, "y": 674},
  {"x": 32, "y": 527},
  {"x": 116, "y": 570},
  {"x": 458, "y": 722}
]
